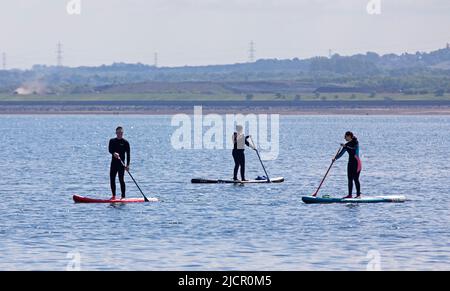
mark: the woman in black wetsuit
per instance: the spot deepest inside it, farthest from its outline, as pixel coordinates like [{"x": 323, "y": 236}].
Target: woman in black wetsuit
[
  {"x": 354, "y": 163},
  {"x": 239, "y": 143}
]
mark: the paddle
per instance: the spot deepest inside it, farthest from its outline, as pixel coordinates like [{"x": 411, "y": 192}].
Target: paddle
[
  {"x": 259, "y": 157},
  {"x": 326, "y": 174},
  {"x": 123, "y": 164}
]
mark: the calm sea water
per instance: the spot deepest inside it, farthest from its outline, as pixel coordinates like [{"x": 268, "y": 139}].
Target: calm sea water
[{"x": 47, "y": 159}]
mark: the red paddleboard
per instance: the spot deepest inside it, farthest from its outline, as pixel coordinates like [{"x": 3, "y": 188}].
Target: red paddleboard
[{"x": 81, "y": 199}]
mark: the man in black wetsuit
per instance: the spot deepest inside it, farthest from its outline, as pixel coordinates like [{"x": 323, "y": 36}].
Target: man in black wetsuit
[{"x": 118, "y": 147}]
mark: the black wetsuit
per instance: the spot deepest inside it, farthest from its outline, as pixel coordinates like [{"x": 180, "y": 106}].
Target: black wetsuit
[
  {"x": 239, "y": 157},
  {"x": 122, "y": 147},
  {"x": 354, "y": 165}
]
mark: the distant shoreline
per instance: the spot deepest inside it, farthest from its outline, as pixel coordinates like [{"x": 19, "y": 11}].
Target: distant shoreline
[{"x": 414, "y": 107}]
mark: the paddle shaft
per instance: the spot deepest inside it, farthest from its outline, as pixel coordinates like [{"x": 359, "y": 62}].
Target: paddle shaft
[
  {"x": 326, "y": 174},
  {"x": 259, "y": 157},
  {"x": 123, "y": 164}
]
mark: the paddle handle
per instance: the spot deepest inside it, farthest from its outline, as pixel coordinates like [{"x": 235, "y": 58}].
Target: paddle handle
[
  {"x": 326, "y": 174},
  {"x": 260, "y": 160},
  {"x": 132, "y": 178}
]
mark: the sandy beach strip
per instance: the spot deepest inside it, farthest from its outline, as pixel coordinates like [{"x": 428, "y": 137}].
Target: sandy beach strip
[{"x": 229, "y": 107}]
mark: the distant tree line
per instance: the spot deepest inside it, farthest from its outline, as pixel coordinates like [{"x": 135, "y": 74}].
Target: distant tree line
[{"x": 419, "y": 73}]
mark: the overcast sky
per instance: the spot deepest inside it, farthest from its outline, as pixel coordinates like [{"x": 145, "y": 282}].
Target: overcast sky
[{"x": 201, "y": 32}]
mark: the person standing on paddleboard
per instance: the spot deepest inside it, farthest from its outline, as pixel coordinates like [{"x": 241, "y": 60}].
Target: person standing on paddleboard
[
  {"x": 354, "y": 166},
  {"x": 118, "y": 147},
  {"x": 239, "y": 143}
]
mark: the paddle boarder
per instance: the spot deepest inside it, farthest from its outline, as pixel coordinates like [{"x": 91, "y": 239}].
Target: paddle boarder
[
  {"x": 118, "y": 147},
  {"x": 354, "y": 166},
  {"x": 239, "y": 143}
]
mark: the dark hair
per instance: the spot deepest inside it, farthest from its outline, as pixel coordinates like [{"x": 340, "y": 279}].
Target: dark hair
[
  {"x": 350, "y": 134},
  {"x": 119, "y": 128}
]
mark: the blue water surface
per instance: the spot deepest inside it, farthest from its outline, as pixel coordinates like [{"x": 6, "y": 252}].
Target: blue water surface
[{"x": 47, "y": 159}]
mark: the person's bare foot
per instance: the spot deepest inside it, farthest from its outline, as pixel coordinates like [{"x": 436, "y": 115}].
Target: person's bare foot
[{"x": 348, "y": 197}]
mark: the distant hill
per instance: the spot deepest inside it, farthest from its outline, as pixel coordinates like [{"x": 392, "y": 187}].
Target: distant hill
[{"x": 419, "y": 73}]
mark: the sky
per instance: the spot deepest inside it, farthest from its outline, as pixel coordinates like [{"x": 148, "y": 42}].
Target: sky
[{"x": 205, "y": 32}]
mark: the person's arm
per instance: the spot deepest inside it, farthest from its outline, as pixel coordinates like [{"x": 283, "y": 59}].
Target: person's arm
[
  {"x": 341, "y": 153},
  {"x": 110, "y": 147},
  {"x": 347, "y": 146},
  {"x": 246, "y": 141},
  {"x": 128, "y": 154}
]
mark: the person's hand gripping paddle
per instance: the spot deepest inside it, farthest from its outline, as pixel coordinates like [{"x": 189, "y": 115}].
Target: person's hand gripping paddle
[
  {"x": 259, "y": 157},
  {"x": 127, "y": 170}
]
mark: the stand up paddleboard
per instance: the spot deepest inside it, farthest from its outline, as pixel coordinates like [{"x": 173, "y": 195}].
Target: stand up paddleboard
[
  {"x": 81, "y": 199},
  {"x": 209, "y": 181},
  {"x": 373, "y": 199}
]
